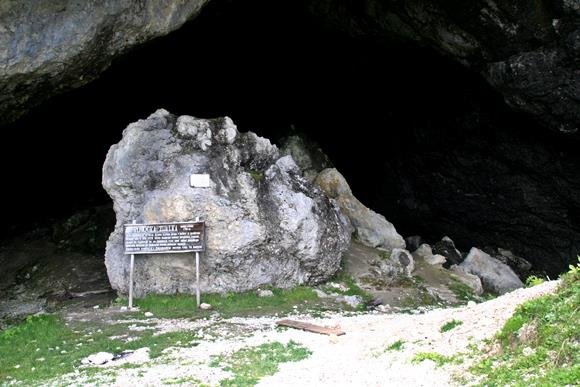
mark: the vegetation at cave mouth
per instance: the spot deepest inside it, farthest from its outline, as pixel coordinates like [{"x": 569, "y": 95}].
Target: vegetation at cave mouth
[{"x": 538, "y": 345}]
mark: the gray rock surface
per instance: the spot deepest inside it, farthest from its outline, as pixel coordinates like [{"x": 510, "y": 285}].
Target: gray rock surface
[
  {"x": 265, "y": 293},
  {"x": 425, "y": 253},
  {"x": 495, "y": 276},
  {"x": 352, "y": 301},
  {"x": 308, "y": 156},
  {"x": 265, "y": 223},
  {"x": 371, "y": 228},
  {"x": 518, "y": 264},
  {"x": 47, "y": 47},
  {"x": 529, "y": 51},
  {"x": 468, "y": 279},
  {"x": 413, "y": 242},
  {"x": 446, "y": 247},
  {"x": 404, "y": 258},
  {"x": 98, "y": 358}
]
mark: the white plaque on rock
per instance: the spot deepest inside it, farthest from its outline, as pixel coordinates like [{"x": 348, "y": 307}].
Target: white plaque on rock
[{"x": 199, "y": 180}]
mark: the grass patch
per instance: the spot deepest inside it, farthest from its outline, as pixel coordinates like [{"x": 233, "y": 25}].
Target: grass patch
[
  {"x": 228, "y": 304},
  {"x": 189, "y": 380},
  {"x": 449, "y": 325},
  {"x": 539, "y": 343},
  {"x": 352, "y": 288},
  {"x": 396, "y": 346},
  {"x": 461, "y": 290},
  {"x": 439, "y": 359},
  {"x": 421, "y": 298},
  {"x": 44, "y": 347},
  {"x": 384, "y": 254},
  {"x": 256, "y": 175},
  {"x": 248, "y": 365},
  {"x": 534, "y": 280}
]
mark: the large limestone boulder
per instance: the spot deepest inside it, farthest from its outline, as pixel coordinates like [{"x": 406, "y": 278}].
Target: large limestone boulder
[
  {"x": 372, "y": 229},
  {"x": 48, "y": 47},
  {"x": 495, "y": 276},
  {"x": 265, "y": 223}
]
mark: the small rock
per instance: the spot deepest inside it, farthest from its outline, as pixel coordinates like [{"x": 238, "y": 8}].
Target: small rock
[
  {"x": 527, "y": 351},
  {"x": 98, "y": 358},
  {"x": 413, "y": 242},
  {"x": 446, "y": 247},
  {"x": 265, "y": 293},
  {"x": 140, "y": 355},
  {"x": 425, "y": 253},
  {"x": 436, "y": 259},
  {"x": 405, "y": 259},
  {"x": 320, "y": 293},
  {"x": 123, "y": 309},
  {"x": 339, "y": 287},
  {"x": 495, "y": 276},
  {"x": 148, "y": 314},
  {"x": 383, "y": 308},
  {"x": 471, "y": 303},
  {"x": 96, "y": 307},
  {"x": 375, "y": 302},
  {"x": 352, "y": 301},
  {"x": 424, "y": 250},
  {"x": 205, "y": 306}
]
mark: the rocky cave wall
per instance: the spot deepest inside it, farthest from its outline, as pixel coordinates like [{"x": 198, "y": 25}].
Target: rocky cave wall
[{"x": 417, "y": 126}]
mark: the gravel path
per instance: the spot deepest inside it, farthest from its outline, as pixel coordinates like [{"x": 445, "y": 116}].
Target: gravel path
[{"x": 357, "y": 358}]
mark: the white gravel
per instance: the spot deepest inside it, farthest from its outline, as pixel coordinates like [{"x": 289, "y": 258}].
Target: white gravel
[{"x": 357, "y": 358}]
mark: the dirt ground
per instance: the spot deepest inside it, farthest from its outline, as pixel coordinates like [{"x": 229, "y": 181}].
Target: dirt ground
[{"x": 360, "y": 357}]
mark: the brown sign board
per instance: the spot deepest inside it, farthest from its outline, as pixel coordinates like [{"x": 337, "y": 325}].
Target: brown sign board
[{"x": 157, "y": 238}]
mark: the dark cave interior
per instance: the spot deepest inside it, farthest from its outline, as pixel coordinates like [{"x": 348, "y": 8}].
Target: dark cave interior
[{"x": 421, "y": 139}]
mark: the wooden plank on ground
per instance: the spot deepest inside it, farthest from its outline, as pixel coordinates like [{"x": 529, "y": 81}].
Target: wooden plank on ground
[{"x": 324, "y": 330}]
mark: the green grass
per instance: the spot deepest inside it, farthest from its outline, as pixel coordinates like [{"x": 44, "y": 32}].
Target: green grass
[
  {"x": 551, "y": 341},
  {"x": 188, "y": 380},
  {"x": 257, "y": 175},
  {"x": 228, "y": 304},
  {"x": 49, "y": 334},
  {"x": 353, "y": 288},
  {"x": 449, "y": 325},
  {"x": 534, "y": 280},
  {"x": 461, "y": 290},
  {"x": 439, "y": 359},
  {"x": 396, "y": 346},
  {"x": 43, "y": 347},
  {"x": 384, "y": 254},
  {"x": 248, "y": 365},
  {"x": 421, "y": 298}
]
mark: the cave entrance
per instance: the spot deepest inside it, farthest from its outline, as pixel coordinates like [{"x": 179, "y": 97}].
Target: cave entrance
[{"x": 420, "y": 139}]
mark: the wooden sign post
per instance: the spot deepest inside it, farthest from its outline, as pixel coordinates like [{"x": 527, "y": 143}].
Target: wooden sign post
[
  {"x": 197, "y": 291},
  {"x": 163, "y": 238}
]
